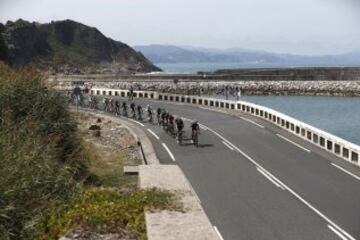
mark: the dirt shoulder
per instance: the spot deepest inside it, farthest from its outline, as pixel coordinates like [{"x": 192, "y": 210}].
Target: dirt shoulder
[{"x": 110, "y": 149}]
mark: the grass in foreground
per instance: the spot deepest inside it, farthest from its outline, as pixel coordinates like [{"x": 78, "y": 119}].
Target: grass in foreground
[
  {"x": 107, "y": 211},
  {"x": 107, "y": 164},
  {"x": 46, "y": 181}
]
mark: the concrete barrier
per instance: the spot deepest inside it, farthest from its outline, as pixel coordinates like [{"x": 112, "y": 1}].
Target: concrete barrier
[{"x": 327, "y": 141}]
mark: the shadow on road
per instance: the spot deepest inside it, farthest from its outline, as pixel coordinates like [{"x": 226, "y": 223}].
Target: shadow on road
[{"x": 205, "y": 145}]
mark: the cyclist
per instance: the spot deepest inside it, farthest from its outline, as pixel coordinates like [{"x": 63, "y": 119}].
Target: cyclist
[
  {"x": 93, "y": 102},
  {"x": 132, "y": 106},
  {"x": 171, "y": 124},
  {"x": 167, "y": 117},
  {"x": 139, "y": 110},
  {"x": 195, "y": 131},
  {"x": 111, "y": 105},
  {"x": 106, "y": 106},
  {"x": 180, "y": 126},
  {"x": 163, "y": 117},
  {"x": 117, "y": 107},
  {"x": 124, "y": 107},
  {"x": 150, "y": 113},
  {"x": 158, "y": 111}
]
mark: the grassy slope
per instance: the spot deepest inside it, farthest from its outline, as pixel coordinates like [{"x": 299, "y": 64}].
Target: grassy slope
[{"x": 46, "y": 172}]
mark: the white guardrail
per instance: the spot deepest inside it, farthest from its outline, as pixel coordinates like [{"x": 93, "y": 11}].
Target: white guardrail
[{"x": 333, "y": 144}]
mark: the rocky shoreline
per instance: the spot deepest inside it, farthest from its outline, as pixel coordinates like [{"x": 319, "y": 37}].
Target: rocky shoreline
[{"x": 264, "y": 88}]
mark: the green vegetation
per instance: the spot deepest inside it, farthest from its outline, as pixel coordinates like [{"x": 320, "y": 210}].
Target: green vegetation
[
  {"x": 107, "y": 212},
  {"x": 49, "y": 177},
  {"x": 40, "y": 162},
  {"x": 107, "y": 164}
]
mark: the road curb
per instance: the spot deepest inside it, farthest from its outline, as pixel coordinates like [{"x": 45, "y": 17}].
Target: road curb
[
  {"x": 193, "y": 223},
  {"x": 137, "y": 132}
]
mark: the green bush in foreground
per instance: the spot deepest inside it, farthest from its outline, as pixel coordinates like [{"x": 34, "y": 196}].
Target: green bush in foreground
[
  {"x": 107, "y": 212},
  {"x": 41, "y": 163}
]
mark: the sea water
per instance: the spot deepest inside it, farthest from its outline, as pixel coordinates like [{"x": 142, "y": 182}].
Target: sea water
[{"x": 337, "y": 115}]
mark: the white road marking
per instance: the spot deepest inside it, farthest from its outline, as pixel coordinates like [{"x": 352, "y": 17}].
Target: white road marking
[
  {"x": 203, "y": 127},
  {"x": 187, "y": 119},
  {"x": 205, "y": 108},
  {"x": 270, "y": 179},
  {"x": 337, "y": 232},
  {"x": 168, "y": 150},
  {"x": 251, "y": 121},
  {"x": 346, "y": 171},
  {"x": 331, "y": 223},
  {"x": 294, "y": 143},
  {"x": 136, "y": 122},
  {"x": 218, "y": 233},
  {"x": 154, "y": 134},
  {"x": 226, "y": 144},
  {"x": 286, "y": 187}
]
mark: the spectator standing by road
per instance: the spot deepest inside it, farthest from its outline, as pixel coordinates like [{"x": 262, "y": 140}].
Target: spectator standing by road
[
  {"x": 131, "y": 93},
  {"x": 227, "y": 92}
]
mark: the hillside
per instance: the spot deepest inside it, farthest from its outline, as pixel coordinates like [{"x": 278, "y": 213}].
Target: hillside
[
  {"x": 67, "y": 47},
  {"x": 174, "y": 54}
]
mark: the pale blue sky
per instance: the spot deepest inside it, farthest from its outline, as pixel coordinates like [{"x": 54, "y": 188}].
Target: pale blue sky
[{"x": 292, "y": 26}]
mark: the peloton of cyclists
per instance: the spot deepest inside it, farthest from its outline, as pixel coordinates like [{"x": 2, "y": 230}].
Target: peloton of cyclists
[{"x": 174, "y": 125}]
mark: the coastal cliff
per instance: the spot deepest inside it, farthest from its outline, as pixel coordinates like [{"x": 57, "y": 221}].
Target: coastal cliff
[{"x": 67, "y": 47}]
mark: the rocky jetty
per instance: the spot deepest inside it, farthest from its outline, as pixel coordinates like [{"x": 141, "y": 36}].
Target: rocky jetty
[
  {"x": 311, "y": 88},
  {"x": 292, "y": 74}
]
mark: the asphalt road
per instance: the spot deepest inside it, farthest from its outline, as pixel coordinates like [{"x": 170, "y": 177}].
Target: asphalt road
[{"x": 257, "y": 181}]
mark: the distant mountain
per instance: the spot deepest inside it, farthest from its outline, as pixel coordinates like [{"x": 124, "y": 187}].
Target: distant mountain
[
  {"x": 175, "y": 54},
  {"x": 67, "y": 46}
]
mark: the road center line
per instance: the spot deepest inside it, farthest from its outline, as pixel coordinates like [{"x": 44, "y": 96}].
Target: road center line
[
  {"x": 251, "y": 121},
  {"x": 337, "y": 232},
  {"x": 154, "y": 134},
  {"x": 270, "y": 179},
  {"x": 218, "y": 233},
  {"x": 294, "y": 143},
  {"x": 346, "y": 171},
  {"x": 187, "y": 119},
  {"x": 136, "y": 122},
  {"x": 226, "y": 144},
  {"x": 286, "y": 188},
  {"x": 168, "y": 150},
  {"x": 203, "y": 127}
]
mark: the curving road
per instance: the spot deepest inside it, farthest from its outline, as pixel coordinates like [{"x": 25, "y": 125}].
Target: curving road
[{"x": 257, "y": 181}]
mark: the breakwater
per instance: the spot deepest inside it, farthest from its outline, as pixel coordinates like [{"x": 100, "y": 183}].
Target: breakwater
[{"x": 258, "y": 88}]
